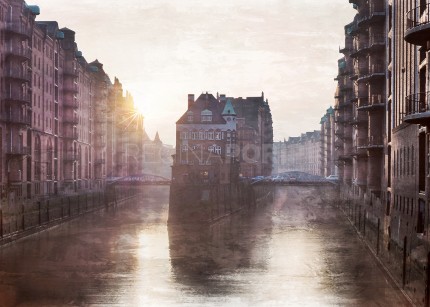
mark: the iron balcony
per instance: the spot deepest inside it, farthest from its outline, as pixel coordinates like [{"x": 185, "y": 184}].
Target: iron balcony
[
  {"x": 417, "y": 109},
  {"x": 418, "y": 25}
]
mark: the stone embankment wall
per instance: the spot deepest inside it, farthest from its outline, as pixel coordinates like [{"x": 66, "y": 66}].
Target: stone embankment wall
[
  {"x": 405, "y": 260},
  {"x": 204, "y": 203},
  {"x": 26, "y": 216}
]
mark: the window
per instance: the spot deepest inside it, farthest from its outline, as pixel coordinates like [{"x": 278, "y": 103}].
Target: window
[
  {"x": 206, "y": 118},
  {"x": 184, "y": 148},
  {"x": 190, "y": 117},
  {"x": 215, "y": 149}
]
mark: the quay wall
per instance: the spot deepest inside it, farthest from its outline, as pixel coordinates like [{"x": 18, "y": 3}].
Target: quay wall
[
  {"x": 400, "y": 250},
  {"x": 22, "y": 217}
]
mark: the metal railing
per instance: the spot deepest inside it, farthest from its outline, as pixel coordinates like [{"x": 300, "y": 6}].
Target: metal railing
[
  {"x": 16, "y": 118},
  {"x": 418, "y": 16},
  {"x": 417, "y": 103},
  {"x": 20, "y": 97},
  {"x": 19, "y": 51},
  {"x": 18, "y": 28},
  {"x": 18, "y": 150}
]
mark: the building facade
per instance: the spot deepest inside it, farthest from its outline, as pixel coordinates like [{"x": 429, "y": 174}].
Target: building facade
[
  {"x": 301, "y": 153},
  {"x": 382, "y": 134},
  {"x": 54, "y": 110},
  {"x": 328, "y": 154},
  {"x": 219, "y": 139}
]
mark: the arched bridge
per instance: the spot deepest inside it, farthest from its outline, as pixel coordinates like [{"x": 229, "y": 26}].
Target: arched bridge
[
  {"x": 142, "y": 179},
  {"x": 292, "y": 178}
]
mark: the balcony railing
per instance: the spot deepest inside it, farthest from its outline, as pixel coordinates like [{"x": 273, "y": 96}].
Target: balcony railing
[
  {"x": 18, "y": 150},
  {"x": 18, "y": 28},
  {"x": 361, "y": 69},
  {"x": 16, "y": 73},
  {"x": 377, "y": 39},
  {"x": 417, "y": 108},
  {"x": 372, "y": 142},
  {"x": 418, "y": 25},
  {"x": 376, "y": 71},
  {"x": 18, "y": 97},
  {"x": 16, "y": 118},
  {"x": 376, "y": 13},
  {"x": 20, "y": 52},
  {"x": 375, "y": 102}
]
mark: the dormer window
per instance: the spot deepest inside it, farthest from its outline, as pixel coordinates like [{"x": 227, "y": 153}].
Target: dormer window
[
  {"x": 206, "y": 116},
  {"x": 190, "y": 117}
]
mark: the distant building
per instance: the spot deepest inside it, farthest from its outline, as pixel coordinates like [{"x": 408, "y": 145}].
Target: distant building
[
  {"x": 301, "y": 153},
  {"x": 218, "y": 139},
  {"x": 328, "y": 144},
  {"x": 255, "y": 135},
  {"x": 157, "y": 157},
  {"x": 205, "y": 142}
]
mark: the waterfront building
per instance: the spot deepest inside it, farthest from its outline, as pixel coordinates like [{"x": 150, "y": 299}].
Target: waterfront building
[
  {"x": 360, "y": 105},
  {"x": 301, "y": 153},
  {"x": 206, "y": 142},
  {"x": 255, "y": 135},
  {"x": 219, "y": 139},
  {"x": 328, "y": 153},
  {"x": 157, "y": 157},
  {"x": 382, "y": 134},
  {"x": 125, "y": 134},
  {"x": 54, "y": 111}
]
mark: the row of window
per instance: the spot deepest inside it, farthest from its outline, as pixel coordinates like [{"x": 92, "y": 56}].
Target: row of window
[
  {"x": 191, "y": 162},
  {"x": 212, "y": 148},
  {"x": 207, "y": 135},
  {"x": 404, "y": 162}
]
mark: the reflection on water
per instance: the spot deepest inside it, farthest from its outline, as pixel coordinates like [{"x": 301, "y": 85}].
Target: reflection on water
[
  {"x": 206, "y": 258},
  {"x": 298, "y": 251}
]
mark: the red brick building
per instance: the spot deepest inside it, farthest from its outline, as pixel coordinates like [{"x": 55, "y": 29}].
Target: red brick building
[
  {"x": 219, "y": 139},
  {"x": 54, "y": 112}
]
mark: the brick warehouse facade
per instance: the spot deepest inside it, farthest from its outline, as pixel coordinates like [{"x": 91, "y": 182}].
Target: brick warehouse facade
[
  {"x": 56, "y": 109},
  {"x": 302, "y": 153},
  {"x": 382, "y": 135},
  {"x": 219, "y": 139}
]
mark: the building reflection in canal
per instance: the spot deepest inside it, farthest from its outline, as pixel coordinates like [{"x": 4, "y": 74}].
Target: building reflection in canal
[
  {"x": 204, "y": 257},
  {"x": 296, "y": 251}
]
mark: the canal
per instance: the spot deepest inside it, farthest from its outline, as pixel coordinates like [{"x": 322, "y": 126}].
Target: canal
[{"x": 298, "y": 251}]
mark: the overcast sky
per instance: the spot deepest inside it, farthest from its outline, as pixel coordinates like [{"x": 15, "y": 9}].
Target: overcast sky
[{"x": 162, "y": 50}]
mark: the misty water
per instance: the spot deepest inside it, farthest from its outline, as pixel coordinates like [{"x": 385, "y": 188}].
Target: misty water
[{"x": 298, "y": 251}]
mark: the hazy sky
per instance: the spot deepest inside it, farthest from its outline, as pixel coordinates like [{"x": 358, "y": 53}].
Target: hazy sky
[{"x": 162, "y": 50}]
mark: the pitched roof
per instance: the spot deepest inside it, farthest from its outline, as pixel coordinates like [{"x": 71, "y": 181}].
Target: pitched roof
[
  {"x": 228, "y": 108},
  {"x": 205, "y": 102}
]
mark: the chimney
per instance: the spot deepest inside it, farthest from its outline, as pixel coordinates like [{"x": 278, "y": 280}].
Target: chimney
[{"x": 190, "y": 100}]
